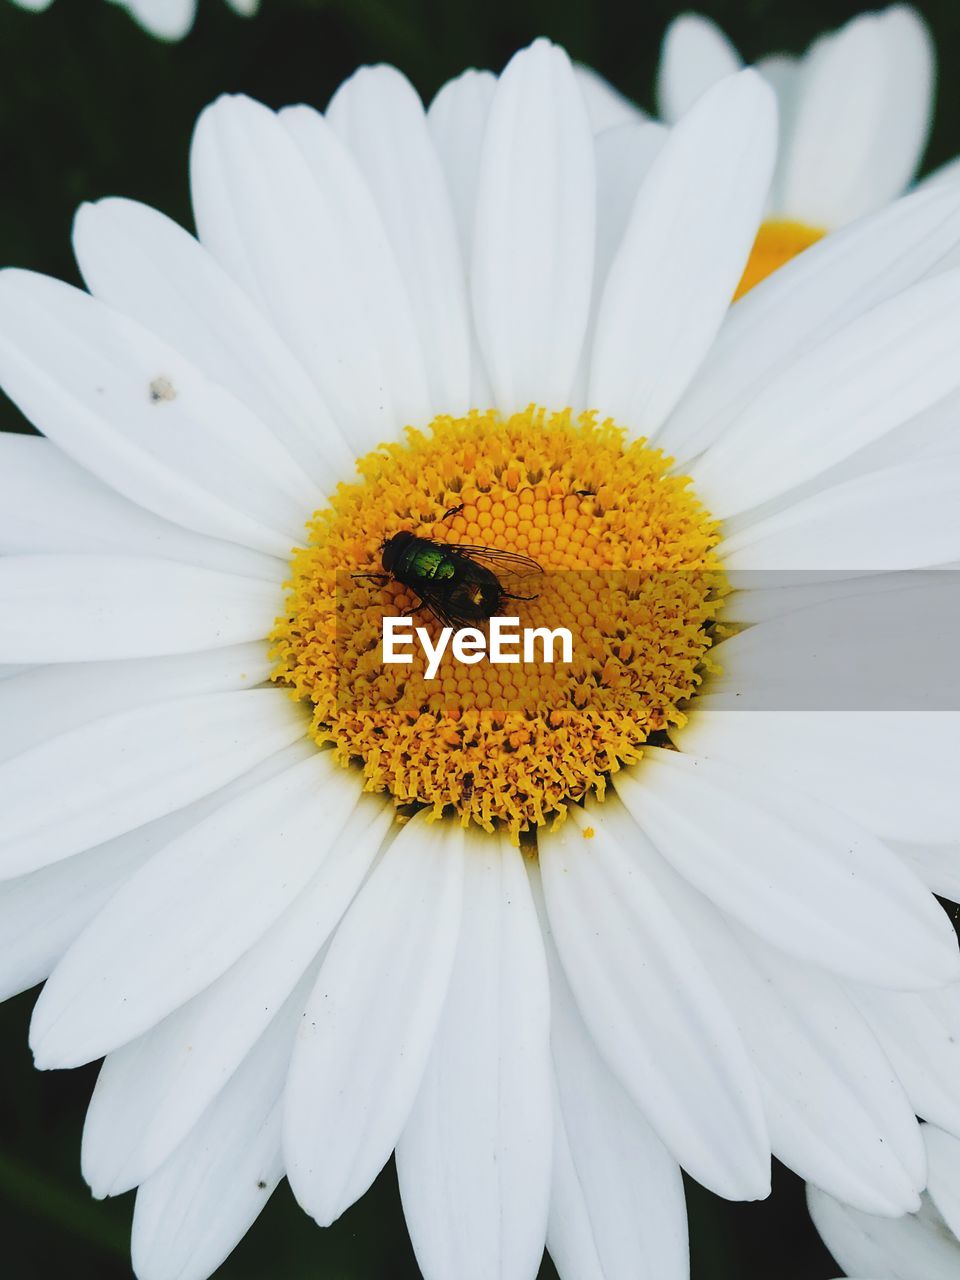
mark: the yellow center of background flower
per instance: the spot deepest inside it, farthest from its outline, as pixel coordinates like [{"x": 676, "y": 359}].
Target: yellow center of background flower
[
  {"x": 777, "y": 242},
  {"x": 629, "y": 567}
]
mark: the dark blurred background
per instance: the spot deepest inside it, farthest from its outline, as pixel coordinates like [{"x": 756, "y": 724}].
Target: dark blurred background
[{"x": 92, "y": 106}]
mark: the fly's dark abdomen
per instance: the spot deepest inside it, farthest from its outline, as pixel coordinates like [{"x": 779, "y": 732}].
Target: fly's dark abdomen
[{"x": 477, "y": 598}]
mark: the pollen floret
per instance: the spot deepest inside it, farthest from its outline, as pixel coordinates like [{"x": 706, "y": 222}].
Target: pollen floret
[{"x": 629, "y": 567}]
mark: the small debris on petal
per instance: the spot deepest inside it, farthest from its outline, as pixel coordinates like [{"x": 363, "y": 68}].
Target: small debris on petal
[{"x": 162, "y": 389}]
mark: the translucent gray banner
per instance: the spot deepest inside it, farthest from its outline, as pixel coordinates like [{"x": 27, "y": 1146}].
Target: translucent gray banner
[
  {"x": 783, "y": 641},
  {"x": 841, "y": 641}
]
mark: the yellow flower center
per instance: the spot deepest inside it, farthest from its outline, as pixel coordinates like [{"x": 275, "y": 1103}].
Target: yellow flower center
[
  {"x": 628, "y": 567},
  {"x": 777, "y": 242}
]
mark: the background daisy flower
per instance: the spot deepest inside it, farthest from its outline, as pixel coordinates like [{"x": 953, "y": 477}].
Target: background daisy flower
[
  {"x": 855, "y": 112},
  {"x": 166, "y": 19},
  {"x": 545, "y": 1019}
]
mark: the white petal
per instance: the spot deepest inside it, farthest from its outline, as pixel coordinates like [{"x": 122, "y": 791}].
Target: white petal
[
  {"x": 190, "y": 913},
  {"x": 684, "y": 250},
  {"x": 696, "y": 54},
  {"x": 194, "y": 1211},
  {"x": 920, "y": 1034},
  {"x": 917, "y": 1247},
  {"x": 65, "y": 608},
  {"x": 606, "y": 106},
  {"x": 369, "y": 1024},
  {"x": 43, "y": 912},
  {"x": 624, "y": 156},
  {"x": 151, "y": 1092},
  {"x": 837, "y": 1113},
  {"x": 379, "y": 116},
  {"x": 49, "y": 504},
  {"x": 781, "y": 72},
  {"x": 943, "y": 1153},
  {"x": 649, "y": 1004},
  {"x": 863, "y": 111},
  {"x": 803, "y": 877},
  {"x": 534, "y": 233},
  {"x": 808, "y": 300},
  {"x": 898, "y": 518},
  {"x": 124, "y": 770},
  {"x": 143, "y": 264},
  {"x": 139, "y": 415},
  {"x": 279, "y": 202},
  {"x": 877, "y": 372},
  {"x": 47, "y": 701},
  {"x": 458, "y": 119},
  {"x": 938, "y": 866},
  {"x": 166, "y": 19},
  {"x": 474, "y": 1157},
  {"x": 617, "y": 1209},
  {"x": 892, "y": 772},
  {"x": 928, "y": 436},
  {"x": 909, "y": 102}
]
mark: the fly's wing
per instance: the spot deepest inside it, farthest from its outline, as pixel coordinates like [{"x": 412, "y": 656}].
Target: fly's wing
[
  {"x": 475, "y": 592},
  {"x": 505, "y": 562},
  {"x": 502, "y": 575}
]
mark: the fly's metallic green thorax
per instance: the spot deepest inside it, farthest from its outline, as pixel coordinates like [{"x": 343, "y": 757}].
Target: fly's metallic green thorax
[
  {"x": 449, "y": 579},
  {"x": 422, "y": 559}
]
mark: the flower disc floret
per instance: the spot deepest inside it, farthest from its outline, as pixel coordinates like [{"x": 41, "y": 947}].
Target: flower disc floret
[{"x": 629, "y": 566}]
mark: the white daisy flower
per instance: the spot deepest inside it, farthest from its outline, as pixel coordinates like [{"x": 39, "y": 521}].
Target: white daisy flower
[
  {"x": 921, "y": 1246},
  {"x": 208, "y": 871},
  {"x": 855, "y": 111},
  {"x": 166, "y": 19}
]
